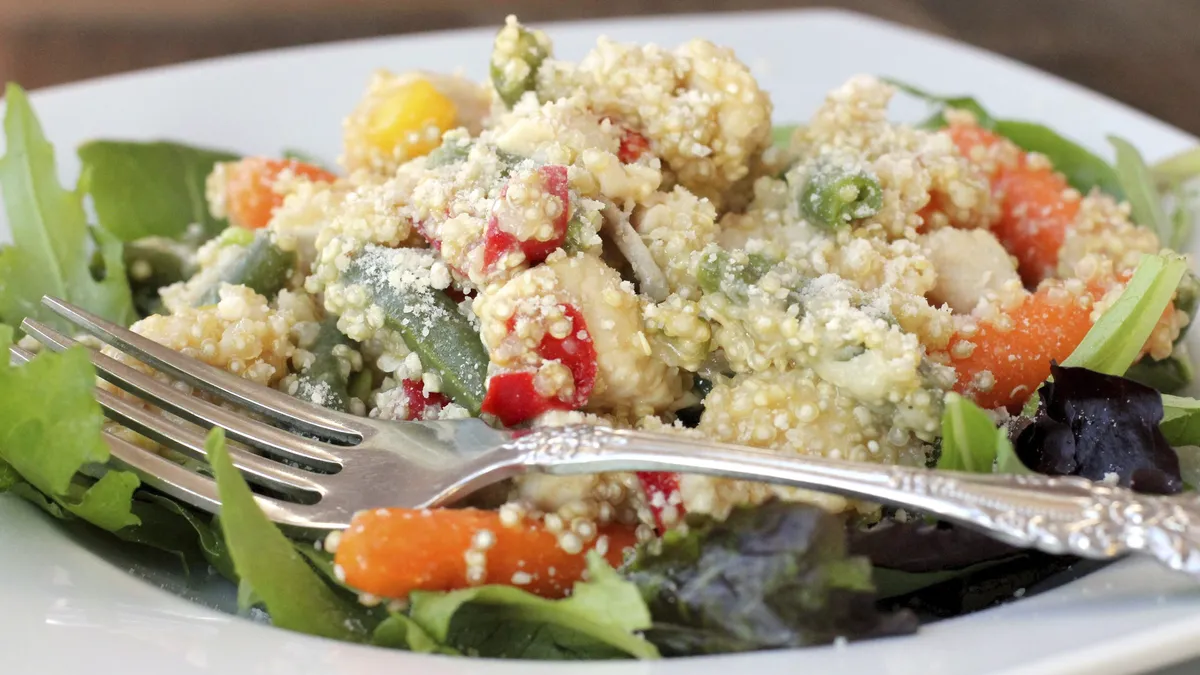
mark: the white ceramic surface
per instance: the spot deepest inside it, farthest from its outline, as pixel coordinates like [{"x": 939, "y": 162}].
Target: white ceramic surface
[{"x": 69, "y": 604}]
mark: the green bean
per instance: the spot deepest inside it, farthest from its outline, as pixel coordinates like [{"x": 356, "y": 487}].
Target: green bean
[
  {"x": 324, "y": 381},
  {"x": 429, "y": 322},
  {"x": 835, "y": 196},
  {"x": 263, "y": 267},
  {"x": 516, "y": 57},
  {"x": 731, "y": 273}
]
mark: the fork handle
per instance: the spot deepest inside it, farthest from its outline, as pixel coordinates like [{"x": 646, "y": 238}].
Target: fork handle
[{"x": 1059, "y": 515}]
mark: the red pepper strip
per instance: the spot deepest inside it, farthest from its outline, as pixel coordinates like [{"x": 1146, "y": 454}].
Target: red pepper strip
[
  {"x": 656, "y": 483},
  {"x": 419, "y": 402},
  {"x": 498, "y": 242}
]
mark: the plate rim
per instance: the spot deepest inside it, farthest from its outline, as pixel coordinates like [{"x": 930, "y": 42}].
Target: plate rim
[{"x": 1165, "y": 635}]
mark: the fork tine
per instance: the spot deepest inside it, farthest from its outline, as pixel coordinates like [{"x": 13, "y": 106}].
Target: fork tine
[
  {"x": 187, "y": 486},
  {"x": 274, "y": 404},
  {"x": 189, "y": 441},
  {"x": 196, "y": 410}
]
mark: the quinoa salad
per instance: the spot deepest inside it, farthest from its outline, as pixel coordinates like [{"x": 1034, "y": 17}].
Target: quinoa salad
[{"x": 630, "y": 241}]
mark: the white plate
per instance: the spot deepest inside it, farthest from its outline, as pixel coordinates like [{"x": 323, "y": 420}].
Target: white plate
[{"x": 69, "y": 608}]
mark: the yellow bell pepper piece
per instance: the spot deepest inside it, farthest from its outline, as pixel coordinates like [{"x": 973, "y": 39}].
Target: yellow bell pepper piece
[{"x": 411, "y": 120}]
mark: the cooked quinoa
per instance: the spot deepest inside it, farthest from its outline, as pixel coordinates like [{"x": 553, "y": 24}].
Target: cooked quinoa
[{"x": 621, "y": 244}]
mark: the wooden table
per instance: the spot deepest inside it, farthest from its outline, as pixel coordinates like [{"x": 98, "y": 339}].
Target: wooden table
[{"x": 1143, "y": 52}]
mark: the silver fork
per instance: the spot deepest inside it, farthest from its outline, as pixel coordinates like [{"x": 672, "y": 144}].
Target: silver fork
[{"x": 340, "y": 464}]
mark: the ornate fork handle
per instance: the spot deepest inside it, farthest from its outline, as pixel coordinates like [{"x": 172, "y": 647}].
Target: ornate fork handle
[{"x": 1056, "y": 515}]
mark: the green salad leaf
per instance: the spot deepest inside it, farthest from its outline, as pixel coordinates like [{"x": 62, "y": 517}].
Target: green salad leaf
[
  {"x": 149, "y": 189},
  {"x": 51, "y": 430},
  {"x": 600, "y": 618},
  {"x": 305, "y": 157},
  {"x": 1083, "y": 169},
  {"x": 49, "y": 254},
  {"x": 294, "y": 594},
  {"x": 1174, "y": 176},
  {"x": 400, "y": 632},
  {"x": 774, "y": 575},
  {"x": 781, "y": 135},
  {"x": 1181, "y": 420},
  {"x": 1143, "y": 196},
  {"x": 1116, "y": 339},
  {"x": 972, "y": 442}
]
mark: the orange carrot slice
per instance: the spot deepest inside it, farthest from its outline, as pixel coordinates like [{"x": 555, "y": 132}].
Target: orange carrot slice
[
  {"x": 1004, "y": 367},
  {"x": 392, "y": 552},
  {"x": 250, "y": 196},
  {"x": 1037, "y": 207}
]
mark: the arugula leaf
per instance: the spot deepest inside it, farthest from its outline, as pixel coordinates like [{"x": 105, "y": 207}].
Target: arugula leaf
[
  {"x": 771, "y": 576},
  {"x": 1178, "y": 167},
  {"x": 149, "y": 189},
  {"x": 265, "y": 560},
  {"x": 1082, "y": 169},
  {"x": 605, "y": 610},
  {"x": 49, "y": 254},
  {"x": 1140, "y": 190},
  {"x": 1116, "y": 339},
  {"x": 50, "y": 430}
]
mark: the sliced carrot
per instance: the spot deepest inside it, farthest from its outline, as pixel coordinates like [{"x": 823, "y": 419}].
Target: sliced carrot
[
  {"x": 392, "y": 552},
  {"x": 250, "y": 196},
  {"x": 1044, "y": 327},
  {"x": 1035, "y": 209}
]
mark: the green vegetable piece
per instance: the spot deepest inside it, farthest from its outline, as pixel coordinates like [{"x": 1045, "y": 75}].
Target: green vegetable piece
[
  {"x": 605, "y": 610},
  {"x": 51, "y": 429},
  {"x": 452, "y": 151},
  {"x": 781, "y": 136},
  {"x": 428, "y": 321},
  {"x": 1168, "y": 375},
  {"x": 574, "y": 242},
  {"x": 323, "y": 382},
  {"x": 1114, "y": 342},
  {"x": 49, "y": 254},
  {"x": 175, "y": 528},
  {"x": 295, "y": 596},
  {"x": 835, "y": 196},
  {"x": 971, "y": 441},
  {"x": 1140, "y": 190},
  {"x": 771, "y": 576},
  {"x": 516, "y": 56},
  {"x": 731, "y": 273},
  {"x": 1174, "y": 176},
  {"x": 149, "y": 189},
  {"x": 151, "y": 264},
  {"x": 264, "y": 268}
]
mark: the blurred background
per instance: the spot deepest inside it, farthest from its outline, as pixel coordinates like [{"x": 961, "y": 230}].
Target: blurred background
[{"x": 1142, "y": 52}]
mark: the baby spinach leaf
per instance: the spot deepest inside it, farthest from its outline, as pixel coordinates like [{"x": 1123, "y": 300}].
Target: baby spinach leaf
[
  {"x": 49, "y": 254},
  {"x": 294, "y": 594},
  {"x": 1095, "y": 425},
  {"x": 943, "y": 103},
  {"x": 601, "y": 616},
  {"x": 770, "y": 576},
  {"x": 149, "y": 189}
]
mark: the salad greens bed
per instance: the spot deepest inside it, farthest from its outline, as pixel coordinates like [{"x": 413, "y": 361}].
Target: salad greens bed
[{"x": 781, "y": 575}]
